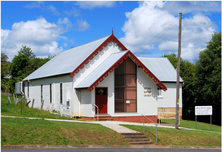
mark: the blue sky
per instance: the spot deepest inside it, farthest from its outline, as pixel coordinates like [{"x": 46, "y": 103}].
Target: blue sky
[{"x": 146, "y": 28}]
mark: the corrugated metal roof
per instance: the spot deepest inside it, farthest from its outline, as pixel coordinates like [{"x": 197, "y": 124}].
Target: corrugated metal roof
[
  {"x": 100, "y": 70},
  {"x": 66, "y": 61},
  {"x": 161, "y": 68}
]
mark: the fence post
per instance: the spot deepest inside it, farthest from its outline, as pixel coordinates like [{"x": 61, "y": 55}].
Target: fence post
[
  {"x": 33, "y": 103},
  {"x": 9, "y": 99},
  {"x": 42, "y": 104},
  {"x": 14, "y": 98}
]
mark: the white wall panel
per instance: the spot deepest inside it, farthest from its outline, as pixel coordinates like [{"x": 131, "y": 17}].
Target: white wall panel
[
  {"x": 169, "y": 97},
  {"x": 86, "y": 106},
  {"x": 68, "y": 92},
  {"x": 146, "y": 105}
]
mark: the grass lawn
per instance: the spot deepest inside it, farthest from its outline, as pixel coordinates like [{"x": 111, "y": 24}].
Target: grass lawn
[
  {"x": 23, "y": 131},
  {"x": 191, "y": 124},
  {"x": 180, "y": 137}
]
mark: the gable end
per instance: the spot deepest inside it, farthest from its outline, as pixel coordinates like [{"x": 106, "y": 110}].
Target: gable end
[{"x": 112, "y": 38}]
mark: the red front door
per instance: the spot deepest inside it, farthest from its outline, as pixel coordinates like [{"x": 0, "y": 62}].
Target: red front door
[{"x": 101, "y": 100}]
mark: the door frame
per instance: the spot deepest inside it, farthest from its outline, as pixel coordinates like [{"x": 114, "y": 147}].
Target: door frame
[{"x": 106, "y": 99}]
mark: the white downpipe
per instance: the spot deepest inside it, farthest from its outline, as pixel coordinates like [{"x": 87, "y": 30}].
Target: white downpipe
[
  {"x": 53, "y": 101},
  {"x": 79, "y": 101}
]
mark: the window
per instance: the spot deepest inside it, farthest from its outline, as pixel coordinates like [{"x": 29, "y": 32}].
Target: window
[
  {"x": 50, "y": 88},
  {"x": 125, "y": 87},
  {"x": 159, "y": 92},
  {"x": 41, "y": 93},
  {"x": 61, "y": 93}
]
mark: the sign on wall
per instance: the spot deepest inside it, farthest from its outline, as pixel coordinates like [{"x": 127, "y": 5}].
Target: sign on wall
[
  {"x": 203, "y": 110},
  {"x": 147, "y": 92}
]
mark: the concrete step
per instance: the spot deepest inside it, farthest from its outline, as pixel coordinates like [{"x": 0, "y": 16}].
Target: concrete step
[
  {"x": 103, "y": 117},
  {"x": 136, "y": 138},
  {"x": 141, "y": 143}
]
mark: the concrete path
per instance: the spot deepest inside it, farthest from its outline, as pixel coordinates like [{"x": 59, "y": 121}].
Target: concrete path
[{"x": 116, "y": 127}]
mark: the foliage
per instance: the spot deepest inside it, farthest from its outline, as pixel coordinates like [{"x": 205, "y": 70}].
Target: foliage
[
  {"x": 180, "y": 137},
  {"x": 208, "y": 75},
  {"x": 27, "y": 51},
  {"x": 4, "y": 57},
  {"x": 4, "y": 77},
  {"x": 21, "y": 66}
]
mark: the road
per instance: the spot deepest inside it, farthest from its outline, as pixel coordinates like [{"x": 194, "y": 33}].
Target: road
[{"x": 112, "y": 150}]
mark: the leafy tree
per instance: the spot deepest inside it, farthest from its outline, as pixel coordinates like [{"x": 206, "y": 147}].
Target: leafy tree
[
  {"x": 208, "y": 74},
  {"x": 27, "y": 51},
  {"x": 17, "y": 67},
  {"x": 4, "y": 57}
]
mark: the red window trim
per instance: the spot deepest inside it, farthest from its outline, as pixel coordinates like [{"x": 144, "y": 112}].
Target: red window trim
[
  {"x": 138, "y": 62},
  {"x": 111, "y": 38}
]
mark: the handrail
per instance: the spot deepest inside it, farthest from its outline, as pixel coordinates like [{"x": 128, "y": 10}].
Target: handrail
[
  {"x": 152, "y": 122},
  {"x": 97, "y": 111}
]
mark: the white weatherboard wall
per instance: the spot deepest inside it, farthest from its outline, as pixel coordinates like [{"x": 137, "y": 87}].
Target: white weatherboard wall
[
  {"x": 146, "y": 105},
  {"x": 95, "y": 62},
  {"x": 67, "y": 91},
  {"x": 169, "y": 97},
  {"x": 86, "y": 106}
]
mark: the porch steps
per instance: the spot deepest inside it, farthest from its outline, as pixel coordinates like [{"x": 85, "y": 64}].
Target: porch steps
[
  {"x": 136, "y": 138},
  {"x": 103, "y": 117}
]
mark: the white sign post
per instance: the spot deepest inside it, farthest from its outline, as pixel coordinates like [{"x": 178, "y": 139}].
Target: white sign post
[{"x": 202, "y": 111}]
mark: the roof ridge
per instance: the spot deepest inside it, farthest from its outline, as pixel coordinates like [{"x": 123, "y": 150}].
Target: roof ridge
[{"x": 86, "y": 43}]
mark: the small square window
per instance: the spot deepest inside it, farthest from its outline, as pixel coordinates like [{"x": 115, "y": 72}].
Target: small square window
[{"x": 159, "y": 92}]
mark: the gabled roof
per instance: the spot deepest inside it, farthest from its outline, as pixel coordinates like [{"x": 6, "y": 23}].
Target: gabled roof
[
  {"x": 161, "y": 68},
  {"x": 74, "y": 59},
  {"x": 100, "y": 70},
  {"x": 108, "y": 67},
  {"x": 111, "y": 38}
]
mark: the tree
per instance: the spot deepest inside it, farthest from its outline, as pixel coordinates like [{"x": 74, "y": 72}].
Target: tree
[
  {"x": 4, "y": 57},
  {"x": 208, "y": 74},
  {"x": 27, "y": 51}
]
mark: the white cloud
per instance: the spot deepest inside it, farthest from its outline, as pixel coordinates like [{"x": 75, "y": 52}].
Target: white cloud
[
  {"x": 151, "y": 27},
  {"x": 191, "y": 6},
  {"x": 38, "y": 4},
  {"x": 42, "y": 5},
  {"x": 73, "y": 12},
  {"x": 39, "y": 35},
  {"x": 53, "y": 10},
  {"x": 83, "y": 25},
  {"x": 93, "y": 4}
]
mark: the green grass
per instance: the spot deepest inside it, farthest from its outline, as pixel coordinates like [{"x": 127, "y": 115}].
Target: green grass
[
  {"x": 180, "y": 137},
  {"x": 22, "y": 131},
  {"x": 192, "y": 124},
  {"x": 11, "y": 109}
]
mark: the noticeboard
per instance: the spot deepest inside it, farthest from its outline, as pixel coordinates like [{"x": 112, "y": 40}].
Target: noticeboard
[{"x": 203, "y": 110}]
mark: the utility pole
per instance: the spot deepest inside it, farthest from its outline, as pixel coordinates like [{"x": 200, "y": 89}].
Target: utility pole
[{"x": 178, "y": 74}]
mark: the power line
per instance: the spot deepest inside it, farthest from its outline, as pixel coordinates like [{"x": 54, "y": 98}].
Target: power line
[{"x": 156, "y": 37}]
